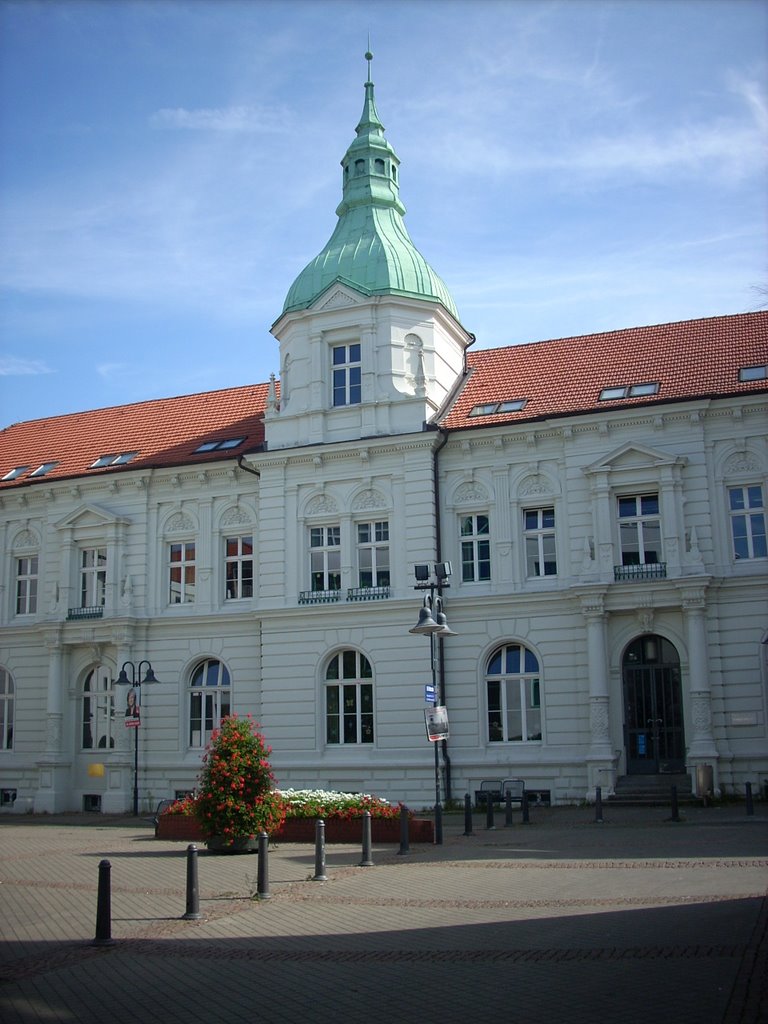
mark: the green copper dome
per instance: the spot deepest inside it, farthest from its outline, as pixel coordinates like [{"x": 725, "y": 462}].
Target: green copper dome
[{"x": 370, "y": 250}]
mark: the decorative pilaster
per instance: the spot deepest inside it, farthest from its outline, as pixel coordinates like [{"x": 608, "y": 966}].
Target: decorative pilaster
[
  {"x": 600, "y": 757},
  {"x": 702, "y": 744}
]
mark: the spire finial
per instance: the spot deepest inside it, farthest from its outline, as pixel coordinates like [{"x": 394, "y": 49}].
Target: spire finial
[{"x": 369, "y": 57}]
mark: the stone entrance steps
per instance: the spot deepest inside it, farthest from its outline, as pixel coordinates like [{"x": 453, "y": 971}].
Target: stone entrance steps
[{"x": 651, "y": 790}]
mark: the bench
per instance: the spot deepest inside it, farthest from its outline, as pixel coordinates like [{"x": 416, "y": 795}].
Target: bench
[{"x": 496, "y": 790}]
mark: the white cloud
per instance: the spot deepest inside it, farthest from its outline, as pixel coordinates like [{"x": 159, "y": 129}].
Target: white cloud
[
  {"x": 237, "y": 119},
  {"x": 12, "y": 366}
]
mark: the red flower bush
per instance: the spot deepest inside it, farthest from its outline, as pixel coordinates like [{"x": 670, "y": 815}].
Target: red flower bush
[{"x": 235, "y": 796}]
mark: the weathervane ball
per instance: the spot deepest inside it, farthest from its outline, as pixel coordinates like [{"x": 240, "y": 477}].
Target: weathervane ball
[{"x": 369, "y": 55}]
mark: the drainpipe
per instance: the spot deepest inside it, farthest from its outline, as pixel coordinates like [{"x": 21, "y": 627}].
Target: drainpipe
[
  {"x": 438, "y": 549},
  {"x": 248, "y": 469}
]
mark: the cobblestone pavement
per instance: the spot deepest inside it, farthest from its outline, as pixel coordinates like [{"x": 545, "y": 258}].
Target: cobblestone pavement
[{"x": 560, "y": 920}]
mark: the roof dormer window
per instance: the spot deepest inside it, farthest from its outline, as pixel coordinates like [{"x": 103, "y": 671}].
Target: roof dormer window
[
  {"x": 614, "y": 394},
  {"x": 15, "y": 473},
  {"x": 45, "y": 468},
  {"x": 113, "y": 459},
  {"x": 215, "y": 446},
  {"x": 498, "y": 408},
  {"x": 747, "y": 373}
]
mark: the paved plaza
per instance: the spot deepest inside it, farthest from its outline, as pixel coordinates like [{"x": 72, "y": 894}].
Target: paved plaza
[{"x": 564, "y": 920}]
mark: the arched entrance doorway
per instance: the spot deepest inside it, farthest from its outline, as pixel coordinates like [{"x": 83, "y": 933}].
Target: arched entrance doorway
[{"x": 653, "y": 707}]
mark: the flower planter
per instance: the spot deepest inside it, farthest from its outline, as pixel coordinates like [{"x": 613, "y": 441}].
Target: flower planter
[
  {"x": 179, "y": 826},
  {"x": 184, "y": 828}
]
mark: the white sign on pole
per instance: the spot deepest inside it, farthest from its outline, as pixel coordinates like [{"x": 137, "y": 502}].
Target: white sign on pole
[{"x": 437, "y": 723}]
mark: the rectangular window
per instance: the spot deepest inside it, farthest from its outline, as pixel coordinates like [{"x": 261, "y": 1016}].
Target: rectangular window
[
  {"x": 347, "y": 374},
  {"x": 639, "y": 529},
  {"x": 540, "y": 554},
  {"x": 93, "y": 577},
  {"x": 349, "y": 713},
  {"x": 238, "y": 567},
  {"x": 325, "y": 557},
  {"x": 475, "y": 548},
  {"x": 747, "y": 511},
  {"x": 26, "y": 585},
  {"x": 373, "y": 554},
  {"x": 181, "y": 573}
]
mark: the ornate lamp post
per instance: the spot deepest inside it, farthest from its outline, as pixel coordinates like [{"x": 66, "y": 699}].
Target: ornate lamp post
[
  {"x": 433, "y": 623},
  {"x": 133, "y": 713}
]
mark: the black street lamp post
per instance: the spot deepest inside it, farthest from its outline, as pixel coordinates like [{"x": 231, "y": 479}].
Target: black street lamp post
[
  {"x": 433, "y": 623},
  {"x": 133, "y": 713}
]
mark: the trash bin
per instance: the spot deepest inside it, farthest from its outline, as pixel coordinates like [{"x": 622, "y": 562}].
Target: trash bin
[{"x": 705, "y": 782}]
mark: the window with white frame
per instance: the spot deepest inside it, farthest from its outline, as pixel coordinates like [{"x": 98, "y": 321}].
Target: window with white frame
[
  {"x": 346, "y": 374},
  {"x": 747, "y": 513},
  {"x": 639, "y": 529},
  {"x": 513, "y": 686},
  {"x": 373, "y": 554},
  {"x": 325, "y": 558},
  {"x": 210, "y": 698},
  {"x": 540, "y": 550},
  {"x": 26, "y": 585},
  {"x": 475, "y": 548},
  {"x": 93, "y": 577},
  {"x": 98, "y": 706},
  {"x": 238, "y": 567},
  {"x": 7, "y": 694},
  {"x": 181, "y": 572},
  {"x": 349, "y": 699}
]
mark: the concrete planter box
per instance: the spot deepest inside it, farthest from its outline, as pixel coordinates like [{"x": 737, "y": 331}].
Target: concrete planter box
[{"x": 302, "y": 830}]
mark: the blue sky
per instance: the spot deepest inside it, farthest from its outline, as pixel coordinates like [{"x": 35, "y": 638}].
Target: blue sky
[{"x": 167, "y": 167}]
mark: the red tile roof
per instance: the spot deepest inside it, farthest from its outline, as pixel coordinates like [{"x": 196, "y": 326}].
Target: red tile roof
[
  {"x": 164, "y": 432},
  {"x": 690, "y": 359}
]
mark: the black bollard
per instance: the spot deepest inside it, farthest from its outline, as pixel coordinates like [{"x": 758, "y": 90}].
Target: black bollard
[
  {"x": 468, "y": 815},
  {"x": 598, "y": 805},
  {"x": 438, "y": 824},
  {"x": 193, "y": 890},
  {"x": 508, "y": 809},
  {"x": 262, "y": 871},
  {"x": 103, "y": 935},
  {"x": 489, "y": 811},
  {"x": 367, "y": 861},
  {"x": 750, "y": 807},
  {"x": 526, "y": 815},
  {"x": 673, "y": 798},
  {"x": 404, "y": 848},
  {"x": 320, "y": 875}
]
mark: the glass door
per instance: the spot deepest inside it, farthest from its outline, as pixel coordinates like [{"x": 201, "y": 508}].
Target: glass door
[{"x": 653, "y": 711}]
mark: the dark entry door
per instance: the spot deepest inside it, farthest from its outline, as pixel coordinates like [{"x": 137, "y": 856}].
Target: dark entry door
[{"x": 653, "y": 707}]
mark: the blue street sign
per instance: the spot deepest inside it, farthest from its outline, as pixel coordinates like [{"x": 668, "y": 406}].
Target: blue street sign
[{"x": 430, "y": 694}]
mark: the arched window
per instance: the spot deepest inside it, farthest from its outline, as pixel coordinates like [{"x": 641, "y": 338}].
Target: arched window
[
  {"x": 514, "y": 695},
  {"x": 6, "y": 710},
  {"x": 349, "y": 699},
  {"x": 209, "y": 700},
  {"x": 98, "y": 721}
]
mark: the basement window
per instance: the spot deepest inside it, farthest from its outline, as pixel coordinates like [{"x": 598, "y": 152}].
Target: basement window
[{"x": 495, "y": 408}]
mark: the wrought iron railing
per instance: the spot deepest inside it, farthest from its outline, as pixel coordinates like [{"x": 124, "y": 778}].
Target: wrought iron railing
[
  {"x": 647, "y": 571},
  {"x": 89, "y": 612},
  {"x": 367, "y": 593}
]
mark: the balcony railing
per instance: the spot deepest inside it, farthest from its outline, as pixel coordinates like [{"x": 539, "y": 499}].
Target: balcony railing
[
  {"x": 367, "y": 593},
  {"x": 319, "y": 596},
  {"x": 89, "y": 612},
  {"x": 648, "y": 571}
]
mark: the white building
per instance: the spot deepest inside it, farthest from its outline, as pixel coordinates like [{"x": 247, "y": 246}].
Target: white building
[{"x": 600, "y": 500}]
